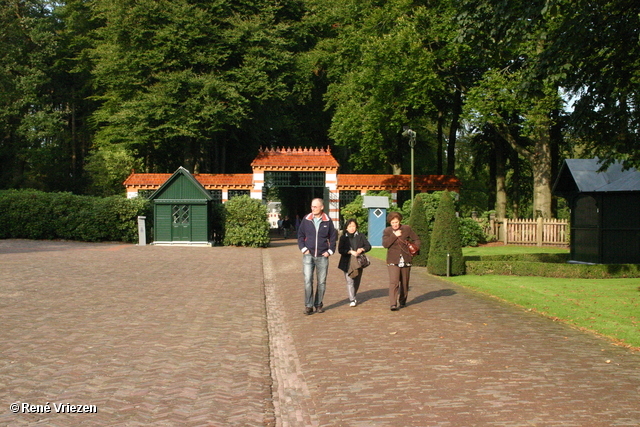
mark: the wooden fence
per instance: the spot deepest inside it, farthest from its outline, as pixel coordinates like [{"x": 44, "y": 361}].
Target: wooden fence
[{"x": 541, "y": 231}]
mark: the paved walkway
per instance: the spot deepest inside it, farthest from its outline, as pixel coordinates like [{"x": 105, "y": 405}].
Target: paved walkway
[{"x": 183, "y": 336}]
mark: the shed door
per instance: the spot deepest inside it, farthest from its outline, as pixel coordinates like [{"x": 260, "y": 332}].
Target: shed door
[
  {"x": 585, "y": 242},
  {"x": 181, "y": 226},
  {"x": 377, "y": 223}
]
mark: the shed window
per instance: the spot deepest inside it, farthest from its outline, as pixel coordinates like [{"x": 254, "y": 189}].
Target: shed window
[{"x": 181, "y": 214}]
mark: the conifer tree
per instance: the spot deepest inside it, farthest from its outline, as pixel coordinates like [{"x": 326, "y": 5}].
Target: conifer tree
[
  {"x": 446, "y": 239},
  {"x": 418, "y": 222}
]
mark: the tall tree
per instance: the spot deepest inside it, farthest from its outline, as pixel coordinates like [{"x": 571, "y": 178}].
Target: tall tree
[
  {"x": 30, "y": 119},
  {"x": 180, "y": 78},
  {"x": 513, "y": 87},
  {"x": 382, "y": 71},
  {"x": 44, "y": 86},
  {"x": 595, "y": 53}
]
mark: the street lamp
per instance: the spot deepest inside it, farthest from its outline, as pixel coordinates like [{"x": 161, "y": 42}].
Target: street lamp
[{"x": 407, "y": 132}]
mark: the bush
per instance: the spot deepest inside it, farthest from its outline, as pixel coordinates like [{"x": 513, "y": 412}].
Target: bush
[
  {"x": 30, "y": 214},
  {"x": 246, "y": 223},
  {"x": 355, "y": 210},
  {"x": 445, "y": 240},
  {"x": 544, "y": 269},
  {"x": 471, "y": 233},
  {"x": 431, "y": 201},
  {"x": 420, "y": 224}
]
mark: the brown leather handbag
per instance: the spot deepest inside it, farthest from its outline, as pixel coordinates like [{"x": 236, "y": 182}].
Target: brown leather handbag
[{"x": 413, "y": 249}]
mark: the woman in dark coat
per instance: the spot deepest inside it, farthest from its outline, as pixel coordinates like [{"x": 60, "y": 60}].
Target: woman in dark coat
[
  {"x": 351, "y": 245},
  {"x": 399, "y": 258}
]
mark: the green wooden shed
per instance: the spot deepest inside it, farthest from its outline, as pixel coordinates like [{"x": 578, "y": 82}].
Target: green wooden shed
[{"x": 182, "y": 209}]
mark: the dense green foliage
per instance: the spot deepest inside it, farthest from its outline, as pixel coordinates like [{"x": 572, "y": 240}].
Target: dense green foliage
[
  {"x": 445, "y": 252},
  {"x": 91, "y": 90},
  {"x": 31, "y": 214},
  {"x": 356, "y": 211},
  {"x": 471, "y": 233},
  {"x": 419, "y": 223},
  {"x": 246, "y": 223}
]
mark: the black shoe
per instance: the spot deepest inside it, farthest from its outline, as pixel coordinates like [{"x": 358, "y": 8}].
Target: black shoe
[
  {"x": 394, "y": 308},
  {"x": 319, "y": 309},
  {"x": 308, "y": 310},
  {"x": 403, "y": 305}
]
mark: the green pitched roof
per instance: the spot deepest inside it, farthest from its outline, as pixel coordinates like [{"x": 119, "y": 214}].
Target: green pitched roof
[{"x": 181, "y": 186}]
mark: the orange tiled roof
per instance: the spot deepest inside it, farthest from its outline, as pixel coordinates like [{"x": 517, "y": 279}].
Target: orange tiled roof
[
  {"x": 153, "y": 181},
  {"x": 239, "y": 181},
  {"x": 146, "y": 180},
  {"x": 397, "y": 182},
  {"x": 293, "y": 159}
]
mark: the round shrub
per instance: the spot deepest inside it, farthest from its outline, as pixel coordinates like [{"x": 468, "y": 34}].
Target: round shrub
[
  {"x": 471, "y": 233},
  {"x": 246, "y": 223}
]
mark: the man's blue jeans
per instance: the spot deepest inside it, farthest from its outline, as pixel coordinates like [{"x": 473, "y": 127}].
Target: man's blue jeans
[{"x": 321, "y": 265}]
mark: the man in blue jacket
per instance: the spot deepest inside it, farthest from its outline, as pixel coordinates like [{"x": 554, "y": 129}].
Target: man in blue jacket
[{"x": 317, "y": 241}]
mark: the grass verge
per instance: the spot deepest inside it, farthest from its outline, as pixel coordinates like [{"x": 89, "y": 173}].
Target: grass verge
[{"x": 608, "y": 307}]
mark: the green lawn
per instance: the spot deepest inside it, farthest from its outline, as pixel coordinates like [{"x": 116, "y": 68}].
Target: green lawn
[{"x": 609, "y": 307}]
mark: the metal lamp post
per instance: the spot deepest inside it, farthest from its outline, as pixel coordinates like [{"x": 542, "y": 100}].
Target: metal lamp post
[{"x": 412, "y": 143}]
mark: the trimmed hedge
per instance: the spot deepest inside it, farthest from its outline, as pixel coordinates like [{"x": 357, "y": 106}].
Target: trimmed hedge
[
  {"x": 31, "y": 214},
  {"x": 547, "y": 265},
  {"x": 420, "y": 225},
  {"x": 542, "y": 257},
  {"x": 446, "y": 244}
]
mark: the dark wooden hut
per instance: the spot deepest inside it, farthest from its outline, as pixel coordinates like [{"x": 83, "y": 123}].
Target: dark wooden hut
[{"x": 605, "y": 211}]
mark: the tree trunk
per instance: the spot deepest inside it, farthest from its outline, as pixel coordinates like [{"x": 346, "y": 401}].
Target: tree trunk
[
  {"x": 515, "y": 178},
  {"x": 541, "y": 166},
  {"x": 440, "y": 136},
  {"x": 453, "y": 132},
  {"x": 501, "y": 191},
  {"x": 540, "y": 159}
]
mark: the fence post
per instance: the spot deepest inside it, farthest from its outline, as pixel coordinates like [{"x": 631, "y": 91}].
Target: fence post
[
  {"x": 539, "y": 231},
  {"x": 505, "y": 230}
]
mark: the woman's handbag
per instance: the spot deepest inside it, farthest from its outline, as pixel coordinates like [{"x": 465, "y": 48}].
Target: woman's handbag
[
  {"x": 413, "y": 249},
  {"x": 363, "y": 261}
]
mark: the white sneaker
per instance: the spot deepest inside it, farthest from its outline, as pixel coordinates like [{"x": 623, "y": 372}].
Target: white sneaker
[{"x": 353, "y": 303}]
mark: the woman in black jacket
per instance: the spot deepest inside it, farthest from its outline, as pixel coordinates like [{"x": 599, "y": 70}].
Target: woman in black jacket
[{"x": 351, "y": 245}]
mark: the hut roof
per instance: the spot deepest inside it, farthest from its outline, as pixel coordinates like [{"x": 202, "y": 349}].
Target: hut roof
[{"x": 584, "y": 175}]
